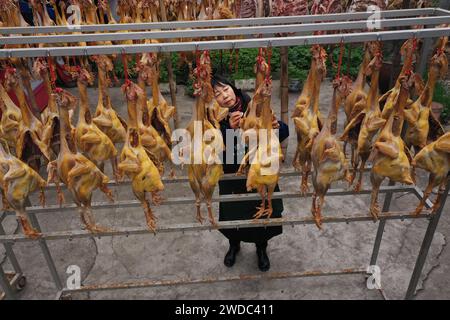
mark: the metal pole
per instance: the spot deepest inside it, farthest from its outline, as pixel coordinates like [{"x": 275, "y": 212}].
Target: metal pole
[
  {"x": 381, "y": 225},
  {"x": 426, "y": 243},
  {"x": 6, "y": 287},
  {"x": 46, "y": 253},
  {"x": 10, "y": 252},
  {"x": 284, "y": 95},
  {"x": 172, "y": 82}
]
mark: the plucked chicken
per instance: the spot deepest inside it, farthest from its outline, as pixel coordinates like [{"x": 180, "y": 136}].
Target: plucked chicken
[
  {"x": 327, "y": 155},
  {"x": 134, "y": 160},
  {"x": 418, "y": 114},
  {"x": 105, "y": 117},
  {"x": 10, "y": 119},
  {"x": 369, "y": 120},
  {"x": 29, "y": 145},
  {"x": 18, "y": 182},
  {"x": 78, "y": 173},
  {"x": 95, "y": 144},
  {"x": 305, "y": 115},
  {"x": 50, "y": 116},
  {"x": 390, "y": 156},
  {"x": 265, "y": 166},
  {"x": 204, "y": 168},
  {"x": 154, "y": 142},
  {"x": 434, "y": 158}
]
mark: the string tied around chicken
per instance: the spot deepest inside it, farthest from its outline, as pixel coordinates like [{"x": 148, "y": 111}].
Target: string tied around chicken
[
  {"x": 269, "y": 67},
  {"x": 125, "y": 70},
  {"x": 341, "y": 54}
]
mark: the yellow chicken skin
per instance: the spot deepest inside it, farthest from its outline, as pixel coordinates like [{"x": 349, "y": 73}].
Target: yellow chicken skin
[
  {"x": 158, "y": 109},
  {"x": 10, "y": 118},
  {"x": 417, "y": 114},
  {"x": 434, "y": 158},
  {"x": 29, "y": 145},
  {"x": 95, "y": 144},
  {"x": 306, "y": 117},
  {"x": 49, "y": 117},
  {"x": 390, "y": 156},
  {"x": 327, "y": 154},
  {"x": 204, "y": 168},
  {"x": 389, "y": 98},
  {"x": 369, "y": 120},
  {"x": 18, "y": 182},
  {"x": 357, "y": 99},
  {"x": 264, "y": 169},
  {"x": 134, "y": 160},
  {"x": 152, "y": 141},
  {"x": 105, "y": 117},
  {"x": 78, "y": 173}
]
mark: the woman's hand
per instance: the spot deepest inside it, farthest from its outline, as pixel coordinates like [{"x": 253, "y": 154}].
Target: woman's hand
[
  {"x": 275, "y": 124},
  {"x": 235, "y": 117}
]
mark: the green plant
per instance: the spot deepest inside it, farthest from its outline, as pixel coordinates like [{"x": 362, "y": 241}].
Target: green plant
[
  {"x": 442, "y": 96},
  {"x": 189, "y": 89},
  {"x": 118, "y": 68},
  {"x": 350, "y": 66},
  {"x": 296, "y": 73}
]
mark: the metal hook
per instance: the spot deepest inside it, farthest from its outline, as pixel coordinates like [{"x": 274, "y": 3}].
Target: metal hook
[
  {"x": 305, "y": 42},
  {"x": 233, "y": 46},
  {"x": 342, "y": 39},
  {"x": 85, "y": 52},
  {"x": 269, "y": 44},
  {"x": 9, "y": 54},
  {"x": 48, "y": 53},
  {"x": 122, "y": 50},
  {"x": 378, "y": 36}
]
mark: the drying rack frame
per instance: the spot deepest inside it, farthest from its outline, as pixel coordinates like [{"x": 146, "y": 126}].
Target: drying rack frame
[{"x": 13, "y": 281}]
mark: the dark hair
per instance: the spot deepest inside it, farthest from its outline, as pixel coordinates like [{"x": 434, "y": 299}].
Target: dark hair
[{"x": 219, "y": 80}]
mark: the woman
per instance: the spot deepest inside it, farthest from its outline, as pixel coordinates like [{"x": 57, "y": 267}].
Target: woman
[{"x": 230, "y": 97}]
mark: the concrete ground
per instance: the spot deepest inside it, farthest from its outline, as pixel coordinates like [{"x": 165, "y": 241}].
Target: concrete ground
[{"x": 200, "y": 254}]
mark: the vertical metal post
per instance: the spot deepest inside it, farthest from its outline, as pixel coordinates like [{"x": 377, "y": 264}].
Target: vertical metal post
[
  {"x": 6, "y": 287},
  {"x": 46, "y": 253},
  {"x": 381, "y": 225},
  {"x": 284, "y": 96},
  {"x": 172, "y": 82},
  {"x": 425, "y": 247},
  {"x": 10, "y": 252}
]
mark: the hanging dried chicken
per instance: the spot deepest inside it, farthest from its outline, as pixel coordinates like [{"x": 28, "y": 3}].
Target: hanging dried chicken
[
  {"x": 29, "y": 145},
  {"x": 97, "y": 146},
  {"x": 327, "y": 154},
  {"x": 368, "y": 120},
  {"x": 18, "y": 181},
  {"x": 134, "y": 160},
  {"x": 78, "y": 173},
  {"x": 306, "y": 117},
  {"x": 205, "y": 168},
  {"x": 105, "y": 117},
  {"x": 417, "y": 114},
  {"x": 434, "y": 158}
]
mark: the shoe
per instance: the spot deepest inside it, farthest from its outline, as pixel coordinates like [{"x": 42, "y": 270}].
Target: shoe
[
  {"x": 230, "y": 257},
  {"x": 263, "y": 259}
]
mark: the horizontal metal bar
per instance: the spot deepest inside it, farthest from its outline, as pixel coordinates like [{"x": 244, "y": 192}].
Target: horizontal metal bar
[
  {"x": 213, "y": 32},
  {"x": 214, "y": 279},
  {"x": 221, "y": 198},
  {"x": 441, "y": 11},
  {"x": 216, "y": 23},
  {"x": 236, "y": 224},
  {"x": 226, "y": 44}
]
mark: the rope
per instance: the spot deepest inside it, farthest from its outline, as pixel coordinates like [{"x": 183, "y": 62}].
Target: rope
[
  {"x": 125, "y": 69},
  {"x": 341, "y": 54}
]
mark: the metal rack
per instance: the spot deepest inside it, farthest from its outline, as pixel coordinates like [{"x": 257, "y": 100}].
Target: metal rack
[{"x": 267, "y": 28}]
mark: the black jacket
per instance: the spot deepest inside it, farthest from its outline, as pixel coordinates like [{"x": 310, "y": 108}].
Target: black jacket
[{"x": 244, "y": 210}]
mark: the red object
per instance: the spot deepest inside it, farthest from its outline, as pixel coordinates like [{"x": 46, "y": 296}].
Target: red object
[{"x": 40, "y": 94}]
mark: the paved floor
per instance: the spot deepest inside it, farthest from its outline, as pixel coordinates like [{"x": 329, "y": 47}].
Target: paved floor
[{"x": 200, "y": 254}]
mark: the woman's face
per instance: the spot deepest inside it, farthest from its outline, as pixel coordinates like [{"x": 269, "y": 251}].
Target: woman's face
[{"x": 224, "y": 95}]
